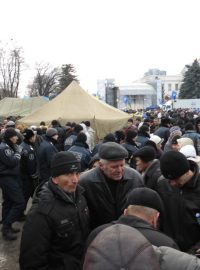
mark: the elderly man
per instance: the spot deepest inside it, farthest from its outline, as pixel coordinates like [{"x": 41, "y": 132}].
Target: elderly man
[
  {"x": 57, "y": 224},
  {"x": 180, "y": 192},
  {"x": 107, "y": 186}
]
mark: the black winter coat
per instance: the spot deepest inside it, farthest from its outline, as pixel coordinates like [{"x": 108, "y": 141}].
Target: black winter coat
[
  {"x": 181, "y": 206},
  {"x": 102, "y": 206},
  {"x": 46, "y": 152},
  {"x": 155, "y": 237},
  {"x": 55, "y": 230},
  {"x": 152, "y": 173}
]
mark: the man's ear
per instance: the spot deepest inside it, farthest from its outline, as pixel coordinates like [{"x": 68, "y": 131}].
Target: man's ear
[
  {"x": 100, "y": 164},
  {"x": 54, "y": 180},
  {"x": 125, "y": 211},
  {"x": 155, "y": 220}
]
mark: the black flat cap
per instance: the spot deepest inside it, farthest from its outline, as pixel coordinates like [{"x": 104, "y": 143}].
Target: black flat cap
[{"x": 112, "y": 151}]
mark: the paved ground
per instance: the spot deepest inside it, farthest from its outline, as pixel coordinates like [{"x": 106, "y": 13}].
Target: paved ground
[{"x": 9, "y": 250}]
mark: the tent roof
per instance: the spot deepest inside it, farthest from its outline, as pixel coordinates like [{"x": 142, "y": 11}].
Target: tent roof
[
  {"x": 75, "y": 104},
  {"x": 20, "y": 107}
]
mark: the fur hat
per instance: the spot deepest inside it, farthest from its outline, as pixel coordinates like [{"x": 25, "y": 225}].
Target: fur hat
[
  {"x": 64, "y": 162},
  {"x": 28, "y": 133},
  {"x": 128, "y": 249},
  {"x": 9, "y": 133},
  {"x": 112, "y": 151},
  {"x": 173, "y": 164}
]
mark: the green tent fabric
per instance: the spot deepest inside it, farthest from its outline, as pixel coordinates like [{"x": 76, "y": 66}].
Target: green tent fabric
[
  {"x": 20, "y": 107},
  {"x": 75, "y": 104}
]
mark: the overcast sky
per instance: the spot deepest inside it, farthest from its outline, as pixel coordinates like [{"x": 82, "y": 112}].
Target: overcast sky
[{"x": 104, "y": 38}]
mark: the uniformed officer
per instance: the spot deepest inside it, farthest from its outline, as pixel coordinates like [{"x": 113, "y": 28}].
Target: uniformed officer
[
  {"x": 13, "y": 200},
  {"x": 28, "y": 168}
]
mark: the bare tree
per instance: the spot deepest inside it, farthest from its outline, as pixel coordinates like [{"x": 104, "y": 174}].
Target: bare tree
[
  {"x": 11, "y": 62},
  {"x": 45, "y": 82}
]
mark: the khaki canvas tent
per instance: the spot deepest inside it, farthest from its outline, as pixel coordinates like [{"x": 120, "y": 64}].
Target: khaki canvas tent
[
  {"x": 75, "y": 104},
  {"x": 20, "y": 107}
]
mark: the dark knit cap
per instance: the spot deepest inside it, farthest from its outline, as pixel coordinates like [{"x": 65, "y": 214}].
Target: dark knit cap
[
  {"x": 9, "y": 133},
  {"x": 110, "y": 137},
  {"x": 146, "y": 153},
  {"x": 51, "y": 132},
  {"x": 93, "y": 160},
  {"x": 145, "y": 197},
  {"x": 173, "y": 164},
  {"x": 64, "y": 162},
  {"x": 128, "y": 249},
  {"x": 81, "y": 137},
  {"x": 165, "y": 121},
  {"x": 28, "y": 133},
  {"x": 112, "y": 151}
]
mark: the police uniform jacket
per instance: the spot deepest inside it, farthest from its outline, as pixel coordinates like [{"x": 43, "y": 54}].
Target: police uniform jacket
[
  {"x": 28, "y": 160},
  {"x": 55, "y": 230},
  {"x": 102, "y": 206},
  {"x": 83, "y": 154},
  {"x": 9, "y": 160}
]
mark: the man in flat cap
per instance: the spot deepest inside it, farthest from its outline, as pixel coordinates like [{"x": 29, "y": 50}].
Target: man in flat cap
[
  {"x": 58, "y": 223},
  {"x": 180, "y": 192},
  {"x": 107, "y": 186}
]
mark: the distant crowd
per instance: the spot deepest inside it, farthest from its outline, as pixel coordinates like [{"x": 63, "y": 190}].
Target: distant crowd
[{"x": 128, "y": 201}]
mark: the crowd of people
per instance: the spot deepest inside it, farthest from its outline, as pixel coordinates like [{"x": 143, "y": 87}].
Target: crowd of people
[{"x": 130, "y": 201}]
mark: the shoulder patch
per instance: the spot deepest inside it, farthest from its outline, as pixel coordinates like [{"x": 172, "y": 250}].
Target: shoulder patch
[
  {"x": 8, "y": 152},
  {"x": 31, "y": 157}
]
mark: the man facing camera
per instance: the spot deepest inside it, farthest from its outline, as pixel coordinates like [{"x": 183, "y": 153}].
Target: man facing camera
[
  {"x": 57, "y": 224},
  {"x": 107, "y": 186}
]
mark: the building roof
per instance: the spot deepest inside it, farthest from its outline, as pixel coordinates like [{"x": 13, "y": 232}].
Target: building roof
[{"x": 137, "y": 89}]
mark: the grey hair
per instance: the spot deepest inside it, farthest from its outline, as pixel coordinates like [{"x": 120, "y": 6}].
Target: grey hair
[{"x": 104, "y": 161}]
